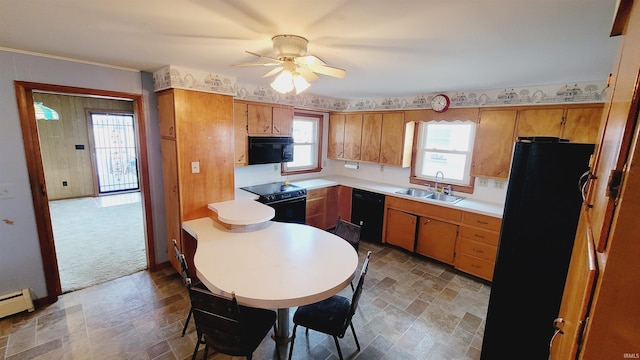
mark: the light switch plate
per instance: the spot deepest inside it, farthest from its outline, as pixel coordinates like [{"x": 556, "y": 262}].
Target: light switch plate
[{"x": 195, "y": 167}]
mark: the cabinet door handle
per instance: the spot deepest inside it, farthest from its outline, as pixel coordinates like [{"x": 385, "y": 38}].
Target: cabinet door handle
[
  {"x": 558, "y": 323},
  {"x": 582, "y": 184},
  {"x": 171, "y": 130},
  {"x": 483, "y": 222},
  {"x": 479, "y": 251},
  {"x": 479, "y": 236}
]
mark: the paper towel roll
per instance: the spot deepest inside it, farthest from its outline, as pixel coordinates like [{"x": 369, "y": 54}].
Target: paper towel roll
[{"x": 353, "y": 166}]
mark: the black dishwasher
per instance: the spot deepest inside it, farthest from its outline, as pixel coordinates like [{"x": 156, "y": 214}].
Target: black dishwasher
[{"x": 367, "y": 210}]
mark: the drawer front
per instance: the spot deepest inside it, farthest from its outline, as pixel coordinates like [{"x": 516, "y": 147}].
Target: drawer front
[
  {"x": 475, "y": 266},
  {"x": 481, "y": 221},
  {"x": 424, "y": 209},
  {"x": 485, "y": 236},
  {"x": 315, "y": 221},
  {"x": 316, "y": 193},
  {"x": 315, "y": 206},
  {"x": 477, "y": 249}
]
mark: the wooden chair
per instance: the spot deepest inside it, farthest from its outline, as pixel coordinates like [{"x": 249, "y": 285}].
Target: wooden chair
[
  {"x": 185, "y": 279},
  {"x": 226, "y": 327},
  {"x": 331, "y": 316}
]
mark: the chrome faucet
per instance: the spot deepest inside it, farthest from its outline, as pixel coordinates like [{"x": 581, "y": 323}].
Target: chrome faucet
[{"x": 442, "y": 177}]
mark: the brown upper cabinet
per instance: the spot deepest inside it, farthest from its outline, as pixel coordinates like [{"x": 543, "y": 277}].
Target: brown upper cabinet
[
  {"x": 371, "y": 137},
  {"x": 335, "y": 143},
  {"x": 382, "y": 138},
  {"x": 240, "y": 133},
  {"x": 498, "y": 128},
  {"x": 269, "y": 120},
  {"x": 352, "y": 136},
  {"x": 493, "y": 144},
  {"x": 577, "y": 123},
  {"x": 396, "y": 142}
]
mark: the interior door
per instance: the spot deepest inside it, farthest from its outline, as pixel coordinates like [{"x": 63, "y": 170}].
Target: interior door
[
  {"x": 613, "y": 151},
  {"x": 577, "y": 294}
]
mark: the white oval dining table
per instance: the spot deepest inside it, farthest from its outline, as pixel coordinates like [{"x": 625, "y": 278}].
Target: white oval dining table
[{"x": 271, "y": 264}]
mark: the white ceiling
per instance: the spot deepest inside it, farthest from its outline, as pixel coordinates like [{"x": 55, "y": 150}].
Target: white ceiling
[{"x": 387, "y": 47}]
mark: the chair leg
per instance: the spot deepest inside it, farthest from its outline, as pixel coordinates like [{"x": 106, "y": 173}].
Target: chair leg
[
  {"x": 195, "y": 351},
  {"x": 354, "y": 336},
  {"x": 206, "y": 352},
  {"x": 335, "y": 339},
  {"x": 293, "y": 338},
  {"x": 352, "y": 288},
  {"x": 186, "y": 323}
]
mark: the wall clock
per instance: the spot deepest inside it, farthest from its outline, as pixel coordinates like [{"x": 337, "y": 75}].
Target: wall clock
[{"x": 440, "y": 103}]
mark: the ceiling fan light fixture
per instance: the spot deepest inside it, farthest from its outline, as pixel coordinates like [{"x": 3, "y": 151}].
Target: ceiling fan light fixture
[
  {"x": 283, "y": 83},
  {"x": 300, "y": 83}
]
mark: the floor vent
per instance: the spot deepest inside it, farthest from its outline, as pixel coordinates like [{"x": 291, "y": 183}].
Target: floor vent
[{"x": 15, "y": 302}]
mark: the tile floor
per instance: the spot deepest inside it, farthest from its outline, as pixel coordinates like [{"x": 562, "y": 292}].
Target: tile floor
[{"x": 411, "y": 308}]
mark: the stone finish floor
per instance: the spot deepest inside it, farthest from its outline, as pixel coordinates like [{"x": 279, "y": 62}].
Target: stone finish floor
[{"x": 411, "y": 308}]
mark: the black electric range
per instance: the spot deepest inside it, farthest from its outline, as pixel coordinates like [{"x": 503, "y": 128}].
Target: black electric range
[{"x": 289, "y": 201}]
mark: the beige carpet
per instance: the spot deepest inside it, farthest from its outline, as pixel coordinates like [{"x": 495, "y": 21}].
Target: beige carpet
[{"x": 98, "y": 239}]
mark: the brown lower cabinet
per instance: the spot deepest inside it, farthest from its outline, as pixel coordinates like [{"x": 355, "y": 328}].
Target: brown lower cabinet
[
  {"x": 322, "y": 207},
  {"x": 477, "y": 244},
  {"x": 466, "y": 240},
  {"x": 437, "y": 239},
  {"x": 401, "y": 229}
]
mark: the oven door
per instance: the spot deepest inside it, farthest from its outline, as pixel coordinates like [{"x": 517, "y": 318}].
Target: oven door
[{"x": 290, "y": 210}]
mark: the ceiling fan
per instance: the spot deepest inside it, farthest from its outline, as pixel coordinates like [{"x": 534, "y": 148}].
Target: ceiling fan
[{"x": 296, "y": 69}]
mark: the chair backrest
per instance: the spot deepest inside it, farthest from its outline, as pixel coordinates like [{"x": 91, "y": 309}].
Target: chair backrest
[
  {"x": 183, "y": 264},
  {"x": 349, "y": 232},
  {"x": 358, "y": 291},
  {"x": 218, "y": 318}
]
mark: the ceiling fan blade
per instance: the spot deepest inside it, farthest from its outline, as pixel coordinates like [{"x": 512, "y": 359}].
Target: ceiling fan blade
[
  {"x": 328, "y": 70},
  {"x": 256, "y": 64},
  {"x": 273, "y": 72},
  {"x": 263, "y": 56},
  {"x": 307, "y": 74},
  {"x": 309, "y": 60}
]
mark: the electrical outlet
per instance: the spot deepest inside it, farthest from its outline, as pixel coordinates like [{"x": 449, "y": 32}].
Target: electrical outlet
[
  {"x": 195, "y": 167},
  {"x": 498, "y": 184},
  {"x": 381, "y": 168},
  {"x": 275, "y": 167},
  {"x": 483, "y": 182}
]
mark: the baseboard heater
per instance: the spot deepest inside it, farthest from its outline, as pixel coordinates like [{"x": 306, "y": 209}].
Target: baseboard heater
[{"x": 16, "y": 302}]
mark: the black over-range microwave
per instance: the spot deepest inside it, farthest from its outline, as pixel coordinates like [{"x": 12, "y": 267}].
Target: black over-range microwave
[{"x": 270, "y": 149}]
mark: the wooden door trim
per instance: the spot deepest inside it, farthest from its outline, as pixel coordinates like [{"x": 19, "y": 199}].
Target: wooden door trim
[{"x": 24, "y": 97}]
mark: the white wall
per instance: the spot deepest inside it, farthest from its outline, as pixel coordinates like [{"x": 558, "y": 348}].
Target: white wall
[{"x": 20, "y": 260}]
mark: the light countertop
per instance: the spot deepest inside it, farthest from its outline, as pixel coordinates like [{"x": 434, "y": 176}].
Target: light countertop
[{"x": 476, "y": 206}]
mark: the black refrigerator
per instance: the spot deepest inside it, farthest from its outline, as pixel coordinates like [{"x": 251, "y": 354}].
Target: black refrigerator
[{"x": 536, "y": 239}]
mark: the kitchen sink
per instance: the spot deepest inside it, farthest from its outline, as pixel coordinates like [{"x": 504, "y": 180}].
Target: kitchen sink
[
  {"x": 431, "y": 195},
  {"x": 446, "y": 198},
  {"x": 416, "y": 192}
]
